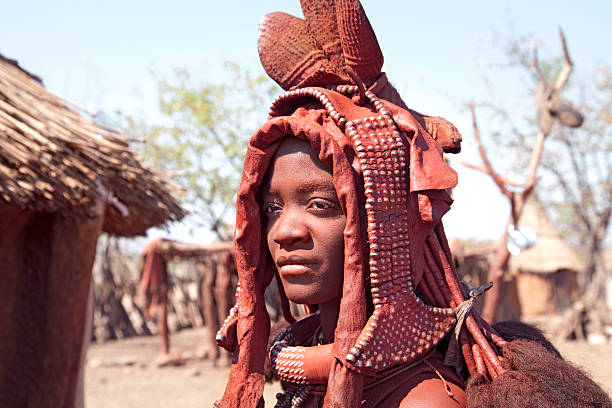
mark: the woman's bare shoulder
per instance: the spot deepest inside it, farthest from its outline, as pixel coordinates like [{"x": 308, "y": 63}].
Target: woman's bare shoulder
[{"x": 432, "y": 393}]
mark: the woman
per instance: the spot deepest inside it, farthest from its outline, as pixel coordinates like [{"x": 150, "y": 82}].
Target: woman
[
  {"x": 305, "y": 228},
  {"x": 341, "y": 198}
]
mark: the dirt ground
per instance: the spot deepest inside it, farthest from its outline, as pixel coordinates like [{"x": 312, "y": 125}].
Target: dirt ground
[{"x": 123, "y": 373}]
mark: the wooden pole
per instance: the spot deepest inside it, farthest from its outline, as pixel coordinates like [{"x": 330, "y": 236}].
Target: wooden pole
[{"x": 163, "y": 320}]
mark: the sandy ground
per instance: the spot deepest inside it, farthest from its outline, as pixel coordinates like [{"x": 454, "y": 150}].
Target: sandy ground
[{"x": 123, "y": 373}]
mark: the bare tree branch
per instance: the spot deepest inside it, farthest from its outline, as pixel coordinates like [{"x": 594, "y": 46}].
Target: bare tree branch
[
  {"x": 482, "y": 170},
  {"x": 571, "y": 198},
  {"x": 607, "y": 186},
  {"x": 597, "y": 166},
  {"x": 563, "y": 76},
  {"x": 536, "y": 155},
  {"x": 503, "y": 113},
  {"x": 536, "y": 66},
  {"x": 576, "y": 159},
  {"x": 485, "y": 159}
]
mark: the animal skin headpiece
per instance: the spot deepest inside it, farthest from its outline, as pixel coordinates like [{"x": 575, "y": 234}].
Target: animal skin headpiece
[{"x": 391, "y": 182}]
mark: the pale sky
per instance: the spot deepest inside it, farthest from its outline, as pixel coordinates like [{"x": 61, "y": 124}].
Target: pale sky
[{"x": 438, "y": 54}]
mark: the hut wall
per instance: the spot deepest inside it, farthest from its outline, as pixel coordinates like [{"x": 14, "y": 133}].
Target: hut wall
[
  {"x": 473, "y": 269},
  {"x": 535, "y": 294},
  {"x": 46, "y": 261},
  {"x": 511, "y": 308},
  {"x": 549, "y": 293}
]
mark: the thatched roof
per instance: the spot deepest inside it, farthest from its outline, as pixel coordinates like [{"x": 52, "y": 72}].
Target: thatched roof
[
  {"x": 54, "y": 157},
  {"x": 177, "y": 249},
  {"x": 472, "y": 248},
  {"x": 550, "y": 253}
]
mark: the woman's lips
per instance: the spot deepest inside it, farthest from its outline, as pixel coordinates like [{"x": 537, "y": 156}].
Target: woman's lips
[
  {"x": 294, "y": 266},
  {"x": 295, "y": 269}
]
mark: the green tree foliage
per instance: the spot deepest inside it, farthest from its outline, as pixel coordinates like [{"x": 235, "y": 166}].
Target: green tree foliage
[{"x": 201, "y": 135}]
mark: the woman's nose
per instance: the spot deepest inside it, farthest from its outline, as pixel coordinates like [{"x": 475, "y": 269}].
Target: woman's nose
[{"x": 290, "y": 228}]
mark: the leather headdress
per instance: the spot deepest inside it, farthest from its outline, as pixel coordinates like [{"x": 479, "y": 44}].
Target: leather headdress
[{"x": 391, "y": 182}]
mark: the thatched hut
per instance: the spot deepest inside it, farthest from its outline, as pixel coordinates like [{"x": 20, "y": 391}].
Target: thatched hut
[
  {"x": 472, "y": 259},
  {"x": 540, "y": 280},
  {"x": 546, "y": 274},
  {"x": 217, "y": 266},
  {"x": 64, "y": 179}
]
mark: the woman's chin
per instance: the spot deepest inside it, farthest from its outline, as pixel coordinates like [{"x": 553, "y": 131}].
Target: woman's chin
[
  {"x": 302, "y": 296},
  {"x": 303, "y": 299},
  {"x": 312, "y": 292}
]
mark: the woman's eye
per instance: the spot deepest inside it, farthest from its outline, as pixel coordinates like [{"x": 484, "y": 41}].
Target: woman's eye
[
  {"x": 271, "y": 208},
  {"x": 321, "y": 204}
]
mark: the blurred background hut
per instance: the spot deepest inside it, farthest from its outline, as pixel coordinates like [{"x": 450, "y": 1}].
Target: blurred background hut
[
  {"x": 64, "y": 179},
  {"x": 200, "y": 288},
  {"x": 546, "y": 274},
  {"x": 472, "y": 259},
  {"x": 166, "y": 287},
  {"x": 541, "y": 280}
]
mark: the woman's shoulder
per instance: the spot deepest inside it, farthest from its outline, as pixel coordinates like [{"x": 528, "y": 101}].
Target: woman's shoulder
[
  {"x": 427, "y": 384},
  {"x": 433, "y": 393}
]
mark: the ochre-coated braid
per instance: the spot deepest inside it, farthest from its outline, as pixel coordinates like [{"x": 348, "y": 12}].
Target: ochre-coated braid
[
  {"x": 464, "y": 345},
  {"x": 486, "y": 348},
  {"x": 490, "y": 369},
  {"x": 480, "y": 365},
  {"x": 430, "y": 282},
  {"x": 427, "y": 293},
  {"x": 489, "y": 332},
  {"x": 447, "y": 270},
  {"x": 437, "y": 277},
  {"x": 483, "y": 354},
  {"x": 474, "y": 321}
]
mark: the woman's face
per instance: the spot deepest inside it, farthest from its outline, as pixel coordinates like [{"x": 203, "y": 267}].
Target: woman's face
[{"x": 304, "y": 224}]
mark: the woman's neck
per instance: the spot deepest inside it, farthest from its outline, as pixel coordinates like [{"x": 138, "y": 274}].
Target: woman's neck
[{"x": 329, "y": 318}]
